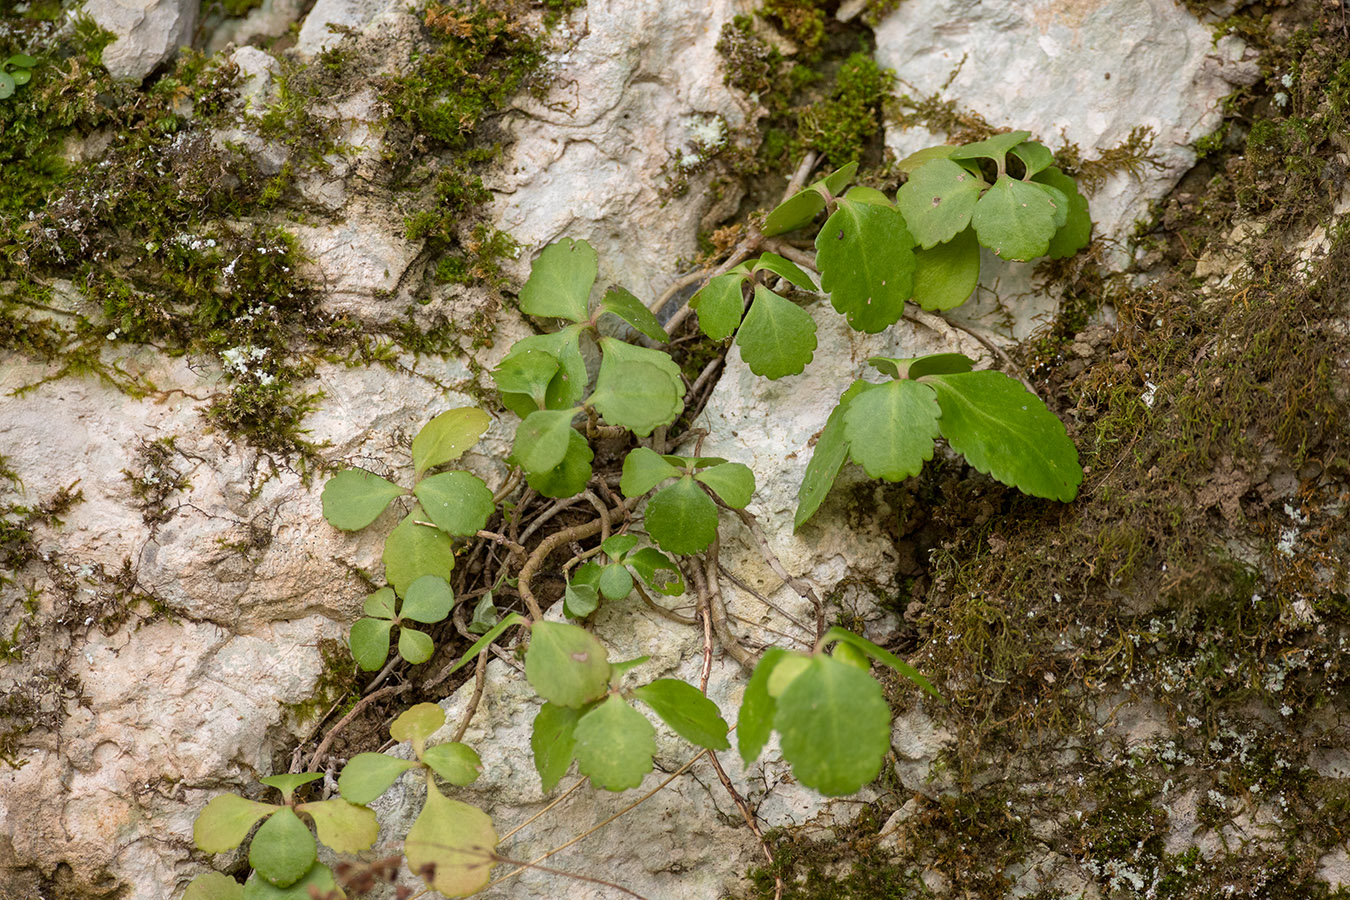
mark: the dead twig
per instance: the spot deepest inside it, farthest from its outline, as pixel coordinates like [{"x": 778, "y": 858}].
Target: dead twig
[{"x": 346, "y": 720}]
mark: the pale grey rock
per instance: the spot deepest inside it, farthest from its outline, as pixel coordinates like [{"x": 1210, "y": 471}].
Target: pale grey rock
[
  {"x": 148, "y": 32},
  {"x": 269, "y": 20},
  {"x": 1334, "y": 868},
  {"x": 315, "y": 35},
  {"x": 259, "y": 70}
]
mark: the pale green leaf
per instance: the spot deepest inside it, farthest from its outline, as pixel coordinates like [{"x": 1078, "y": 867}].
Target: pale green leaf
[
  {"x": 483, "y": 642},
  {"x": 7, "y": 85},
  {"x": 785, "y": 268},
  {"x": 866, "y": 257},
  {"x": 835, "y": 727},
  {"x": 560, "y": 281},
  {"x": 342, "y": 825},
  {"x": 319, "y": 878},
  {"x": 1034, "y": 155},
  {"x": 786, "y": 672},
  {"x": 644, "y": 469},
  {"x": 616, "y": 546},
  {"x": 946, "y": 275},
  {"x": 353, "y": 498},
  {"x": 485, "y": 616},
  {"x": 617, "y": 670},
  {"x": 891, "y": 429},
  {"x": 445, "y": 438},
  {"x": 719, "y": 305},
  {"x": 910, "y": 164},
  {"x": 459, "y": 503},
  {"x": 415, "y": 646},
  {"x": 369, "y": 641},
  {"x": 368, "y": 775},
  {"x": 614, "y": 745},
  {"x": 1060, "y": 203},
  {"x": 778, "y": 337},
  {"x": 380, "y": 604},
  {"x": 542, "y": 439},
  {"x": 287, "y": 782},
  {"x": 881, "y": 655},
  {"x": 580, "y": 600},
  {"x": 569, "y": 477},
  {"x": 552, "y": 741},
  {"x": 794, "y": 212},
  {"x": 648, "y": 562},
  {"x": 413, "y": 550},
  {"x": 568, "y": 384},
  {"x": 1015, "y": 219},
  {"x": 1006, "y": 432},
  {"x": 754, "y": 722},
  {"x": 429, "y": 599},
  {"x": 687, "y": 711},
  {"x": 635, "y": 395},
  {"x": 417, "y": 723},
  {"x": 528, "y": 372},
  {"x": 565, "y": 664},
  {"x": 620, "y": 351},
  {"x": 734, "y": 483},
  {"x": 214, "y": 886},
  {"x": 455, "y": 839},
  {"x": 827, "y": 459},
  {"x": 1077, "y": 229},
  {"x": 632, "y": 310},
  {"x": 917, "y": 367},
  {"x": 995, "y": 148},
  {"x": 938, "y": 200},
  {"x": 22, "y": 61},
  {"x": 226, "y": 821},
  {"x": 615, "y": 582},
  {"x": 283, "y": 849},
  {"x": 457, "y": 763},
  {"x": 682, "y": 518}
]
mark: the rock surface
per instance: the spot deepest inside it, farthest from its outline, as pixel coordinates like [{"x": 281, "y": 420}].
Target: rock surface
[{"x": 148, "y": 32}]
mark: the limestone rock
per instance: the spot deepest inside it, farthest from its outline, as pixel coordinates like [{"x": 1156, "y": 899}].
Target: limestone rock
[{"x": 148, "y": 32}]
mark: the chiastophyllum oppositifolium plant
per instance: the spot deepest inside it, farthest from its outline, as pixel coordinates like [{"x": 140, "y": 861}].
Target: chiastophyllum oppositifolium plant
[{"x": 578, "y": 384}]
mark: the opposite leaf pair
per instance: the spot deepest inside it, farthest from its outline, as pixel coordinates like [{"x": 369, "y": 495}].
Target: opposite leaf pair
[
  {"x": 614, "y": 581},
  {"x": 681, "y": 517}
]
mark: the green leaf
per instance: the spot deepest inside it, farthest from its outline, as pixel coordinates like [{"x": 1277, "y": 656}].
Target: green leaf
[
  {"x": 22, "y": 60},
  {"x": 485, "y": 615},
  {"x": 829, "y": 456},
  {"x": 226, "y": 821},
  {"x": 614, "y": 745},
  {"x": 429, "y": 599},
  {"x": 618, "y": 545},
  {"x": 418, "y": 723},
  {"x": 687, "y": 711},
  {"x": 632, "y": 310},
  {"x": 368, "y": 775},
  {"x": 617, "y": 670},
  {"x": 938, "y": 200},
  {"x": 618, "y": 351},
  {"x": 786, "y": 672},
  {"x": 445, "y": 438},
  {"x": 734, "y": 483},
  {"x": 568, "y": 384},
  {"x": 995, "y": 148},
  {"x": 342, "y": 825},
  {"x": 458, "y": 502},
  {"x": 319, "y": 878},
  {"x": 413, "y": 550},
  {"x": 542, "y": 439},
  {"x": 570, "y": 476},
  {"x": 837, "y": 180},
  {"x": 917, "y": 367},
  {"x": 353, "y": 498},
  {"x": 803, "y": 206},
  {"x": 1006, "y": 432},
  {"x": 835, "y": 727},
  {"x": 21, "y": 76},
  {"x": 1015, "y": 219},
  {"x": 369, "y": 641},
  {"x": 866, "y": 259},
  {"x": 719, "y": 304},
  {"x": 910, "y": 164},
  {"x": 1034, "y": 155},
  {"x": 214, "y": 886},
  {"x": 754, "y": 723},
  {"x": 635, "y": 395},
  {"x": 457, "y": 763},
  {"x": 891, "y": 429},
  {"x": 560, "y": 281},
  {"x": 946, "y": 275},
  {"x": 482, "y": 643},
  {"x": 615, "y": 582},
  {"x": 528, "y": 372},
  {"x": 580, "y": 600},
  {"x": 7, "y": 85},
  {"x": 1060, "y": 203},
  {"x": 381, "y": 604},
  {"x": 881, "y": 655},
  {"x": 681, "y": 518},
  {"x": 552, "y": 742},
  {"x": 283, "y": 849},
  {"x": 566, "y": 664},
  {"x": 415, "y": 646},
  {"x": 286, "y": 782},
  {"x": 454, "y": 838},
  {"x": 778, "y": 337},
  {"x": 1077, "y": 228},
  {"x": 647, "y": 562},
  {"x": 785, "y": 268},
  {"x": 643, "y": 470}
]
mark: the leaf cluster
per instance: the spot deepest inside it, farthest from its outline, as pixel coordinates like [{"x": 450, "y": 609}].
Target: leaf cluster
[{"x": 15, "y": 72}]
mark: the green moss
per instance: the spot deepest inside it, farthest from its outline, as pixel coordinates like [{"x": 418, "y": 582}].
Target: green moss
[
  {"x": 841, "y": 127},
  {"x": 803, "y": 21}
]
